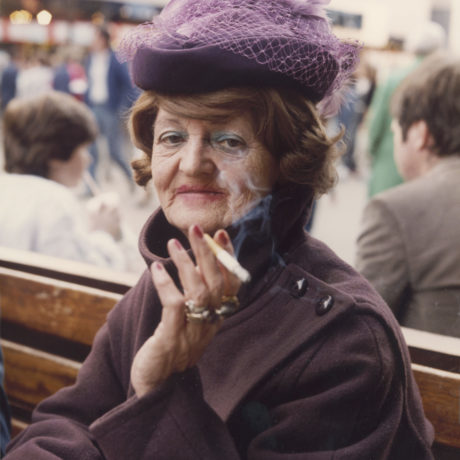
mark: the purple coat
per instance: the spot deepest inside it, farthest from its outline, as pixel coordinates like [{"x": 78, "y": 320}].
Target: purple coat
[{"x": 313, "y": 366}]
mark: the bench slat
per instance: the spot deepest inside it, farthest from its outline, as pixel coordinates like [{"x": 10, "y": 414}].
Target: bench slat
[
  {"x": 440, "y": 392},
  {"x": 32, "y": 375},
  {"x": 433, "y": 350},
  {"x": 59, "y": 308},
  {"x": 67, "y": 270}
]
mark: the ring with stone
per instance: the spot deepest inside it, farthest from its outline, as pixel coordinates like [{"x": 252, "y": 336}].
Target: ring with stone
[
  {"x": 195, "y": 313},
  {"x": 229, "y": 305}
]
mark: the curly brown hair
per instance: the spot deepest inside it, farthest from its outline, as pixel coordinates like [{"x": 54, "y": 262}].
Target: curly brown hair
[
  {"x": 39, "y": 129},
  {"x": 286, "y": 123}
]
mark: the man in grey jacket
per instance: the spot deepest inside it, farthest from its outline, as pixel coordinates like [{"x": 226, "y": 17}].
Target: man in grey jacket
[{"x": 409, "y": 242}]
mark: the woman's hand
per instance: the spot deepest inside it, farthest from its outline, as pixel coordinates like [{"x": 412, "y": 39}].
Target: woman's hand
[{"x": 178, "y": 343}]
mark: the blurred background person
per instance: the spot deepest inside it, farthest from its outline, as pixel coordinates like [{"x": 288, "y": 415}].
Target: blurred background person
[
  {"x": 35, "y": 76},
  {"x": 69, "y": 72},
  {"x": 383, "y": 172},
  {"x": 357, "y": 99},
  {"x": 5, "y": 426},
  {"x": 9, "y": 78},
  {"x": 45, "y": 146},
  {"x": 110, "y": 93},
  {"x": 409, "y": 243}
]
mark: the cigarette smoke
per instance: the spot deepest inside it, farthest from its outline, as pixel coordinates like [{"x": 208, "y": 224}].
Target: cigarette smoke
[{"x": 252, "y": 222}]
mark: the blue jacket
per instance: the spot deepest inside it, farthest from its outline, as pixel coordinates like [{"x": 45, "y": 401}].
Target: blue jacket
[
  {"x": 61, "y": 80},
  {"x": 8, "y": 84},
  {"x": 121, "y": 91}
]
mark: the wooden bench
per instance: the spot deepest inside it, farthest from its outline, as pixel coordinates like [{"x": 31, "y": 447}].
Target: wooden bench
[
  {"x": 52, "y": 309},
  {"x": 436, "y": 367}
]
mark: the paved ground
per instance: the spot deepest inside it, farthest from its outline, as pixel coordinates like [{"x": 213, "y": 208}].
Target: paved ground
[{"x": 337, "y": 220}]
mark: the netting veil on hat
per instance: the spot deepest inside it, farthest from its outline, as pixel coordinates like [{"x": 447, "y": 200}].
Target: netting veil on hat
[{"x": 273, "y": 41}]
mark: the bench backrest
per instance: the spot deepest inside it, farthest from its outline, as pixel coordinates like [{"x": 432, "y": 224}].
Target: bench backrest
[
  {"x": 436, "y": 367},
  {"x": 440, "y": 392},
  {"x": 50, "y": 317},
  {"x": 51, "y": 309}
]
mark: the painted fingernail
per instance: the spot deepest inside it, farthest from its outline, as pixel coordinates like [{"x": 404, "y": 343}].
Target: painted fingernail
[
  {"x": 197, "y": 231},
  {"x": 178, "y": 245},
  {"x": 158, "y": 266}
]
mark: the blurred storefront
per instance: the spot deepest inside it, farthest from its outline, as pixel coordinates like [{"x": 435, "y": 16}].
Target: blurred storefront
[
  {"x": 380, "y": 22},
  {"x": 389, "y": 28},
  {"x": 55, "y": 22},
  {"x": 377, "y": 23}
]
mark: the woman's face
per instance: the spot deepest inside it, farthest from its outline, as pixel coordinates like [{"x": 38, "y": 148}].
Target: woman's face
[{"x": 209, "y": 173}]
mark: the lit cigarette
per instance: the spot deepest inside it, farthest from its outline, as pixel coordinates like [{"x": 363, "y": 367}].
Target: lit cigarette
[{"x": 227, "y": 260}]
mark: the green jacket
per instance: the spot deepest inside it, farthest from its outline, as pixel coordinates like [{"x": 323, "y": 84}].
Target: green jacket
[{"x": 384, "y": 173}]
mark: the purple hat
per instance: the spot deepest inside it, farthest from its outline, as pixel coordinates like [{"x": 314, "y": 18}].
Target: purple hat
[{"x": 198, "y": 46}]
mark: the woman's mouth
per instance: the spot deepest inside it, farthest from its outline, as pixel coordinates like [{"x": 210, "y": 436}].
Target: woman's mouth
[{"x": 199, "y": 193}]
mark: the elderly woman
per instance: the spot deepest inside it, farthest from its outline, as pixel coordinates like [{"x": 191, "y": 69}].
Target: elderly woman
[{"x": 304, "y": 360}]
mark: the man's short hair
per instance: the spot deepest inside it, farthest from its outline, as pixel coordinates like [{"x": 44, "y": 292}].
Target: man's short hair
[{"x": 431, "y": 93}]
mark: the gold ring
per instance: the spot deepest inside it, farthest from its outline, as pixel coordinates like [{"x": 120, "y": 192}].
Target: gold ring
[
  {"x": 194, "y": 313},
  {"x": 229, "y": 305}
]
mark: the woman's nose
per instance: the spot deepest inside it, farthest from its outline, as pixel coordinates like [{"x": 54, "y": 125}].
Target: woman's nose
[{"x": 196, "y": 158}]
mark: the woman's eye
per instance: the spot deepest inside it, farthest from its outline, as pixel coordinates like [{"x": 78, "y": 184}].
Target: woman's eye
[
  {"x": 171, "y": 138},
  {"x": 232, "y": 143},
  {"x": 229, "y": 143}
]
